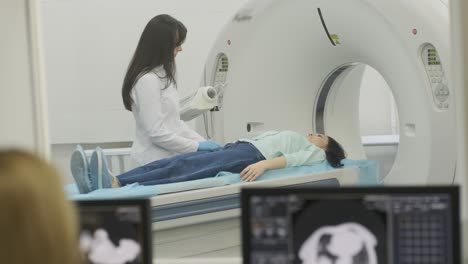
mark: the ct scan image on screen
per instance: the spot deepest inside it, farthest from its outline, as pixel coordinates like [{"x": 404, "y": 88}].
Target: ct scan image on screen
[
  {"x": 349, "y": 228},
  {"x": 353, "y": 232},
  {"x": 111, "y": 234}
]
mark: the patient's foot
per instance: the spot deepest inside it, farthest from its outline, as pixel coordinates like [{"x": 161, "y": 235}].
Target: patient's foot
[{"x": 80, "y": 170}]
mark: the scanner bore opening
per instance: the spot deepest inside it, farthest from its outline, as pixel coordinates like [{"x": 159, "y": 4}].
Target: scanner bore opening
[{"x": 373, "y": 124}]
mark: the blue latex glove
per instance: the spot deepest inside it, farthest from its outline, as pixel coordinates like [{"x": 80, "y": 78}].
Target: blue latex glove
[{"x": 208, "y": 145}]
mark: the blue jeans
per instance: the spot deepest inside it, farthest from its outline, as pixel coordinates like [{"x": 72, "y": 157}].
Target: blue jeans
[{"x": 233, "y": 157}]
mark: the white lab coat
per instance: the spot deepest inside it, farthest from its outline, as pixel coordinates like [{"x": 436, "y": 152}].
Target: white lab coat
[{"x": 159, "y": 132}]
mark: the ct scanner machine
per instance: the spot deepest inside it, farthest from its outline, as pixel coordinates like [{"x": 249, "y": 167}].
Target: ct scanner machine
[{"x": 288, "y": 65}]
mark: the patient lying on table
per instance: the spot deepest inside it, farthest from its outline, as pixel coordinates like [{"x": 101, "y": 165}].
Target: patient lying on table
[{"x": 250, "y": 158}]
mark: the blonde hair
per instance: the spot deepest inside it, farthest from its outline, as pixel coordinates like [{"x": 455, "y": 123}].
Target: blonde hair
[{"x": 37, "y": 222}]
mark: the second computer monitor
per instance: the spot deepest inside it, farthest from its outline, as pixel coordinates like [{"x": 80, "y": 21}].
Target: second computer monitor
[{"x": 391, "y": 225}]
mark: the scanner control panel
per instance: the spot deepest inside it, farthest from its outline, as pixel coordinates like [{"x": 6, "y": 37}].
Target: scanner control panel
[
  {"x": 220, "y": 75},
  {"x": 436, "y": 76}
]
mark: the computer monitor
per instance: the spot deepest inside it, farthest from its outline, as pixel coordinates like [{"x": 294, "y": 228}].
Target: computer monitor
[
  {"x": 365, "y": 225},
  {"x": 115, "y": 231}
]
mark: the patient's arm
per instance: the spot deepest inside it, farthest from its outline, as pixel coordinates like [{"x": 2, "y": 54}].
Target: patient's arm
[{"x": 253, "y": 171}]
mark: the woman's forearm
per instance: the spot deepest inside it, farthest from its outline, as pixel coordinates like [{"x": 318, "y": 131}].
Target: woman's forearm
[{"x": 275, "y": 163}]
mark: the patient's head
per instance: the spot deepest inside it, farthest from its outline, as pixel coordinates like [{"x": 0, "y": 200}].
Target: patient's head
[
  {"x": 333, "y": 150},
  {"x": 335, "y": 153},
  {"x": 37, "y": 223}
]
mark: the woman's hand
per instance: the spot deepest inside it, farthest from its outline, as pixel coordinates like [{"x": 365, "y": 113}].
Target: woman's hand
[
  {"x": 253, "y": 171},
  {"x": 208, "y": 145}
]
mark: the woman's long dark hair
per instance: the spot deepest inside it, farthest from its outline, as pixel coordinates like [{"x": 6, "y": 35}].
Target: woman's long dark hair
[
  {"x": 158, "y": 41},
  {"x": 334, "y": 153}
]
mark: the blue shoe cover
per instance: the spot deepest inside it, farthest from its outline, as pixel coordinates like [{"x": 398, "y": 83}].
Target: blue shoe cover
[
  {"x": 100, "y": 177},
  {"x": 80, "y": 170}
]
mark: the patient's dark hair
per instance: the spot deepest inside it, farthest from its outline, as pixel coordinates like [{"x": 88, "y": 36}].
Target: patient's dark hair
[{"x": 335, "y": 153}]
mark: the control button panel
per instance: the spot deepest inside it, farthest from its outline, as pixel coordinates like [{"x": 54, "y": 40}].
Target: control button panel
[
  {"x": 220, "y": 75},
  {"x": 222, "y": 67},
  {"x": 436, "y": 76}
]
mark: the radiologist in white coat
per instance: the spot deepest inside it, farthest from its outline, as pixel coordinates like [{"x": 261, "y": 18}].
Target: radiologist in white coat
[{"x": 149, "y": 92}]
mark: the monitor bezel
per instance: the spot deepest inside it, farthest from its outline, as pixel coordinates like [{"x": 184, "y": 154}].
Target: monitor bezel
[
  {"x": 145, "y": 210},
  {"x": 451, "y": 190}
]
